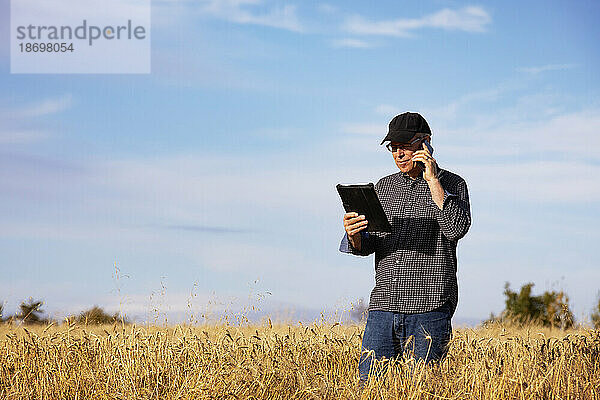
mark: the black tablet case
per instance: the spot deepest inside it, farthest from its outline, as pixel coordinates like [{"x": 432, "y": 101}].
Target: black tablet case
[{"x": 363, "y": 200}]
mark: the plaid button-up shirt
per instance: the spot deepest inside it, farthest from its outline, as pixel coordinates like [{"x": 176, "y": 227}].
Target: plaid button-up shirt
[{"x": 415, "y": 264}]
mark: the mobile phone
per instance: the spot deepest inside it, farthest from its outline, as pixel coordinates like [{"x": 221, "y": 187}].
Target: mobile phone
[
  {"x": 430, "y": 152},
  {"x": 428, "y": 146}
]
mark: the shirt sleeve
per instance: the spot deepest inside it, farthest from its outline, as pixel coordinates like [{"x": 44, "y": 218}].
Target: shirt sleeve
[
  {"x": 367, "y": 245},
  {"x": 454, "y": 217}
]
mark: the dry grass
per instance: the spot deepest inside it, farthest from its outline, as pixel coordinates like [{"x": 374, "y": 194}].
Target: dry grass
[{"x": 285, "y": 362}]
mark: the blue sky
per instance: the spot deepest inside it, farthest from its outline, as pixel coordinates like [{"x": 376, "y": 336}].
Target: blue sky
[{"x": 211, "y": 181}]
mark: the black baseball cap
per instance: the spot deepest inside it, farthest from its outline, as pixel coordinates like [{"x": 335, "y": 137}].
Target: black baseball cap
[{"x": 403, "y": 127}]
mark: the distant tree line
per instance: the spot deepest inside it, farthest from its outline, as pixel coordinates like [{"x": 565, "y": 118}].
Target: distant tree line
[
  {"x": 31, "y": 312},
  {"x": 551, "y": 308}
]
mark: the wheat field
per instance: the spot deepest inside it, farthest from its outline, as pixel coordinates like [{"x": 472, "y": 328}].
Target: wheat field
[{"x": 266, "y": 361}]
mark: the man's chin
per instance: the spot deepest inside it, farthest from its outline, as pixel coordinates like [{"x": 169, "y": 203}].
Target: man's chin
[{"x": 405, "y": 168}]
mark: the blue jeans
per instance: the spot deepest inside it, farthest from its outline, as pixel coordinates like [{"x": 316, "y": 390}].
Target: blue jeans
[{"x": 387, "y": 333}]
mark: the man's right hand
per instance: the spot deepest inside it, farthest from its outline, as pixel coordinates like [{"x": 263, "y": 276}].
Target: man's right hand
[{"x": 353, "y": 224}]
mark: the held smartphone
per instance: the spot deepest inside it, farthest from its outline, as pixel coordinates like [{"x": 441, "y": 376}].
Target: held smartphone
[
  {"x": 430, "y": 152},
  {"x": 428, "y": 146}
]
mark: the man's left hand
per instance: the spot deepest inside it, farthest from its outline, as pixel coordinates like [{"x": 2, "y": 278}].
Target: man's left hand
[{"x": 431, "y": 168}]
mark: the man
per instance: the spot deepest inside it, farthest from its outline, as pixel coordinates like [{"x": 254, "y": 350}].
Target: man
[{"x": 416, "y": 291}]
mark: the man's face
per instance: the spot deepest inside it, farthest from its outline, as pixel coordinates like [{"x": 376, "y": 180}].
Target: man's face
[{"x": 403, "y": 153}]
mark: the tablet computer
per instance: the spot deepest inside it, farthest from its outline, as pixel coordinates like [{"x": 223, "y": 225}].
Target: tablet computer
[{"x": 362, "y": 199}]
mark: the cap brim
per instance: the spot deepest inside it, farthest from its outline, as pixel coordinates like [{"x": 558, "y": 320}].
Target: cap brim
[{"x": 399, "y": 136}]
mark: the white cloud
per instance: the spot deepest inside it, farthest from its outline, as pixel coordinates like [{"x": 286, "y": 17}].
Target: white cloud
[
  {"x": 453, "y": 108},
  {"x": 21, "y": 136},
  {"x": 387, "y": 110},
  {"x": 575, "y": 134},
  {"x": 290, "y": 281},
  {"x": 545, "y": 68},
  {"x": 366, "y": 129},
  {"x": 239, "y": 11},
  {"x": 62, "y": 11},
  {"x": 518, "y": 152},
  {"x": 468, "y": 19},
  {"x": 561, "y": 137},
  {"x": 351, "y": 43},
  {"x": 326, "y": 8},
  {"x": 509, "y": 90},
  {"x": 200, "y": 70},
  {"x": 44, "y": 107},
  {"x": 11, "y": 120},
  {"x": 537, "y": 182}
]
